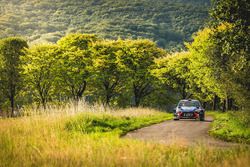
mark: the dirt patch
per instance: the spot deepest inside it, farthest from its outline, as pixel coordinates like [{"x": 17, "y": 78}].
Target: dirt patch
[{"x": 182, "y": 132}]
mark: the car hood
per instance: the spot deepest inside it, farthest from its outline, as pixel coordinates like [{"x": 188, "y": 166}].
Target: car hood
[{"x": 188, "y": 109}]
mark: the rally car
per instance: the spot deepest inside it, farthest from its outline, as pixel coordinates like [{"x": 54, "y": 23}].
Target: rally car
[{"x": 189, "y": 109}]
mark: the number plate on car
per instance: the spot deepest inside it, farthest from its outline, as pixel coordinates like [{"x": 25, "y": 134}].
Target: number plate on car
[{"x": 187, "y": 114}]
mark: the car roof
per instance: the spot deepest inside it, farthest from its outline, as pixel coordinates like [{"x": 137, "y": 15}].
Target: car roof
[{"x": 189, "y": 100}]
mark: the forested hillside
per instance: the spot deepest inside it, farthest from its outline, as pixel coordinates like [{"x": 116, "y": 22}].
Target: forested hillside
[{"x": 168, "y": 22}]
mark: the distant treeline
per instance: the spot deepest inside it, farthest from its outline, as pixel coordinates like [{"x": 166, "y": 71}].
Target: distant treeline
[{"x": 167, "y": 22}]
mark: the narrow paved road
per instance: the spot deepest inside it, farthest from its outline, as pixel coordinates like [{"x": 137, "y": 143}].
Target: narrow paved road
[{"x": 182, "y": 132}]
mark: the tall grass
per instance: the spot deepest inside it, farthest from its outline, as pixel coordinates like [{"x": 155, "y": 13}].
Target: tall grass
[
  {"x": 45, "y": 140},
  {"x": 69, "y": 108}
]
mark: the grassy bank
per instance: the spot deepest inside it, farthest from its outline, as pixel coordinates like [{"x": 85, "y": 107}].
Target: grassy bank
[
  {"x": 92, "y": 139},
  {"x": 117, "y": 123},
  {"x": 231, "y": 126}
]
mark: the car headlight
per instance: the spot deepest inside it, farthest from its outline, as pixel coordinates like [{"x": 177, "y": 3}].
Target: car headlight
[{"x": 178, "y": 110}]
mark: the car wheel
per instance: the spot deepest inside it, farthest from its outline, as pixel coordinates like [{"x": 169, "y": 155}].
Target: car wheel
[
  {"x": 202, "y": 118},
  {"x": 176, "y": 119}
]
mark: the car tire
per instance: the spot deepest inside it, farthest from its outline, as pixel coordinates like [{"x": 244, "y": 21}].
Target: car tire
[
  {"x": 176, "y": 119},
  {"x": 202, "y": 118}
]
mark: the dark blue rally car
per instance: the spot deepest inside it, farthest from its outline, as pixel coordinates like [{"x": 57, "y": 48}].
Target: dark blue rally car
[{"x": 189, "y": 109}]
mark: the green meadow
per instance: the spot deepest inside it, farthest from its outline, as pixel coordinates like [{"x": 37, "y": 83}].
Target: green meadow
[{"x": 93, "y": 138}]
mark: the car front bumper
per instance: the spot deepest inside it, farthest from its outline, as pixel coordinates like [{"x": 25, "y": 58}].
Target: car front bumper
[{"x": 187, "y": 115}]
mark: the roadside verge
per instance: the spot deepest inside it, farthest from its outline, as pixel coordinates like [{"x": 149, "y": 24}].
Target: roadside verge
[{"x": 231, "y": 126}]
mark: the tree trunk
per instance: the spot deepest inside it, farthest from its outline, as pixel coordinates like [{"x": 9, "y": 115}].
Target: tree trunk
[
  {"x": 81, "y": 90},
  {"x": 137, "y": 101},
  {"x": 184, "y": 95},
  {"x": 12, "y": 105},
  {"x": 141, "y": 91},
  {"x": 136, "y": 96},
  {"x": 108, "y": 97},
  {"x": 43, "y": 103},
  {"x": 230, "y": 104},
  {"x": 107, "y": 93},
  {"x": 226, "y": 101},
  {"x": 204, "y": 104},
  {"x": 215, "y": 101},
  {"x": 12, "y": 99},
  {"x": 224, "y": 106}
]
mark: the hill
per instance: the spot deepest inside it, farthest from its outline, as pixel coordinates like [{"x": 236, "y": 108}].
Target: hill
[{"x": 168, "y": 22}]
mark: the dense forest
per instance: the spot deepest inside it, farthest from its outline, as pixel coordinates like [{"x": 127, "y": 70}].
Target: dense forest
[{"x": 168, "y": 22}]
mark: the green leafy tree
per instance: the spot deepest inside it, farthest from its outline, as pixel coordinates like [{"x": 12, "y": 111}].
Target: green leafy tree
[
  {"x": 108, "y": 77},
  {"x": 11, "y": 49},
  {"x": 214, "y": 68},
  {"x": 75, "y": 63},
  {"x": 40, "y": 72},
  {"x": 173, "y": 71},
  {"x": 136, "y": 59},
  {"x": 232, "y": 37},
  {"x": 206, "y": 74},
  {"x": 232, "y": 57},
  {"x": 231, "y": 11}
]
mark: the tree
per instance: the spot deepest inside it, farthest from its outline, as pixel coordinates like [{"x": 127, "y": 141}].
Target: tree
[
  {"x": 74, "y": 65},
  {"x": 108, "y": 77},
  {"x": 173, "y": 70},
  {"x": 136, "y": 59},
  {"x": 231, "y": 11},
  {"x": 233, "y": 41},
  {"x": 11, "y": 49},
  {"x": 39, "y": 70},
  {"x": 207, "y": 75},
  {"x": 213, "y": 67}
]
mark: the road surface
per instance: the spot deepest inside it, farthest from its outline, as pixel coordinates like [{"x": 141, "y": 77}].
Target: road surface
[{"x": 182, "y": 132}]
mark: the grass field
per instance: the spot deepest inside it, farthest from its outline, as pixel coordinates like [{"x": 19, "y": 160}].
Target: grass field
[
  {"x": 93, "y": 139},
  {"x": 232, "y": 126}
]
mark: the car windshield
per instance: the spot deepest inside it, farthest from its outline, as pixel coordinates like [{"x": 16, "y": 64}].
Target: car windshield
[{"x": 189, "y": 104}]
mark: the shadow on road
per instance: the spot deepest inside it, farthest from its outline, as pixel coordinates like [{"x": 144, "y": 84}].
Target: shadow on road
[
  {"x": 208, "y": 121},
  {"x": 193, "y": 120}
]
